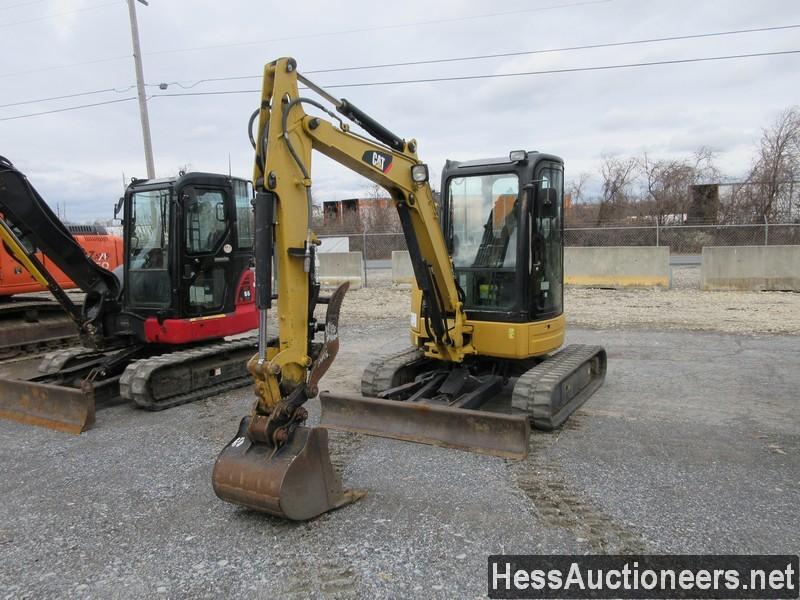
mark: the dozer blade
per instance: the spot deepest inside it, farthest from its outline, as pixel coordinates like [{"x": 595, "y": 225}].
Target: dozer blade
[
  {"x": 53, "y": 406},
  {"x": 475, "y": 430},
  {"x": 297, "y": 483}
]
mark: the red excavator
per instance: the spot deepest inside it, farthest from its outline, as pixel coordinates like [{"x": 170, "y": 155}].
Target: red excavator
[{"x": 152, "y": 331}]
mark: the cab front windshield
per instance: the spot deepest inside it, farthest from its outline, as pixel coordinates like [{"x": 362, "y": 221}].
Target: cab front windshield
[
  {"x": 484, "y": 212},
  {"x": 148, "y": 250}
]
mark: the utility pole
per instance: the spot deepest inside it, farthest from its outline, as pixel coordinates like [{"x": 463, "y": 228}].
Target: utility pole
[{"x": 137, "y": 59}]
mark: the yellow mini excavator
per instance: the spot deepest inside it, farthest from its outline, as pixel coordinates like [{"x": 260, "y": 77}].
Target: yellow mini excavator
[{"x": 487, "y": 307}]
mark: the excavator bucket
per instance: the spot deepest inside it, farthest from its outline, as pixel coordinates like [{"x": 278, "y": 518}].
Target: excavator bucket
[
  {"x": 297, "y": 482},
  {"x": 486, "y": 432},
  {"x": 56, "y": 407}
]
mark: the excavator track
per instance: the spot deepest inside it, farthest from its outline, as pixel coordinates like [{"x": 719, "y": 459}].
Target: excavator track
[
  {"x": 380, "y": 374},
  {"x": 204, "y": 371},
  {"x": 555, "y": 388},
  {"x": 54, "y": 361},
  {"x": 32, "y": 325}
]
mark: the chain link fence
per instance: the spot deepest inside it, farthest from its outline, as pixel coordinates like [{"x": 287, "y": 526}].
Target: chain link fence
[
  {"x": 685, "y": 239},
  {"x": 376, "y": 248}
]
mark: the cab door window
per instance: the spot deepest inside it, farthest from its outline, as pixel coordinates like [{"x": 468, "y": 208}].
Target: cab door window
[
  {"x": 243, "y": 194},
  {"x": 546, "y": 243},
  {"x": 149, "y": 282},
  {"x": 205, "y": 220},
  {"x": 205, "y": 230},
  {"x": 484, "y": 212}
]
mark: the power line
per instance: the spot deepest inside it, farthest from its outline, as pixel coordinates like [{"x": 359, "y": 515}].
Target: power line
[
  {"x": 61, "y": 14},
  {"x": 57, "y": 67},
  {"x": 501, "y": 75},
  {"x": 440, "y": 79},
  {"x": 568, "y": 70},
  {"x": 21, "y": 4},
  {"x": 58, "y": 110},
  {"x": 304, "y": 36},
  {"x": 120, "y": 91},
  {"x": 504, "y": 54},
  {"x": 553, "y": 50}
]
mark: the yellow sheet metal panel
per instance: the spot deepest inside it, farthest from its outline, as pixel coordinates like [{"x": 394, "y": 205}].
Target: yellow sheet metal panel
[
  {"x": 546, "y": 336},
  {"x": 517, "y": 340}
]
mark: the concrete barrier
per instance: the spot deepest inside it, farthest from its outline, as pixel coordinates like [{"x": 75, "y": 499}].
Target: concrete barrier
[
  {"x": 617, "y": 266},
  {"x": 753, "y": 268},
  {"x": 338, "y": 267},
  {"x": 402, "y": 272}
]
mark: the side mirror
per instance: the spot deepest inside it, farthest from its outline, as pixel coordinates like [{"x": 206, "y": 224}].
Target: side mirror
[
  {"x": 118, "y": 207},
  {"x": 548, "y": 203}
]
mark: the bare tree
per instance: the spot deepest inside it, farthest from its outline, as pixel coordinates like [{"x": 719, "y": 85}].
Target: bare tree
[
  {"x": 618, "y": 176},
  {"x": 666, "y": 183},
  {"x": 776, "y": 166},
  {"x": 576, "y": 188},
  {"x": 379, "y": 216}
]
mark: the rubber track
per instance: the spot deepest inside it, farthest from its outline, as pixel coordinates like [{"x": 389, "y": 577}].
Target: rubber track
[
  {"x": 53, "y": 362},
  {"x": 12, "y": 317},
  {"x": 31, "y": 349},
  {"x": 534, "y": 388},
  {"x": 378, "y": 375},
  {"x": 135, "y": 381}
]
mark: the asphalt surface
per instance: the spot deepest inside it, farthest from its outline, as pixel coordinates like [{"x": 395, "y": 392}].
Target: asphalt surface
[{"x": 691, "y": 446}]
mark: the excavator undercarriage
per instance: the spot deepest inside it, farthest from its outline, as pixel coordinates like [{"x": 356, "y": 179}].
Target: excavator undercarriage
[{"x": 410, "y": 397}]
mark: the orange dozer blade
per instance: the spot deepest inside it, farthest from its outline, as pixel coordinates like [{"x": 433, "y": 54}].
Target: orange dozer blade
[
  {"x": 53, "y": 406},
  {"x": 491, "y": 433},
  {"x": 297, "y": 482}
]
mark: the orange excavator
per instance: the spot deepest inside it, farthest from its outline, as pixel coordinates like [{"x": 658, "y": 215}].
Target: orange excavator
[{"x": 31, "y": 322}]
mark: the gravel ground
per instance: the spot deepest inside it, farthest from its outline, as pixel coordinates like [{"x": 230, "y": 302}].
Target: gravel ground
[
  {"x": 682, "y": 307},
  {"x": 691, "y": 446}
]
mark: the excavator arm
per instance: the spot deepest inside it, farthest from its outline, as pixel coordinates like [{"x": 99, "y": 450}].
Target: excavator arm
[
  {"x": 23, "y": 207},
  {"x": 268, "y": 465},
  {"x": 286, "y": 136},
  {"x": 282, "y": 175}
]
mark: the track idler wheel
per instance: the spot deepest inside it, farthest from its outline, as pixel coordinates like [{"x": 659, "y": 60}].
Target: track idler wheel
[{"x": 295, "y": 482}]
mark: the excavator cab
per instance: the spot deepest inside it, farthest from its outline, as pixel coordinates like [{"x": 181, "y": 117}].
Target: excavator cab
[
  {"x": 502, "y": 219},
  {"x": 210, "y": 216}
]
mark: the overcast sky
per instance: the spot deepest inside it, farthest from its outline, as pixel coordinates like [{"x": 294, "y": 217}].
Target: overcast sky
[{"x": 60, "y": 47}]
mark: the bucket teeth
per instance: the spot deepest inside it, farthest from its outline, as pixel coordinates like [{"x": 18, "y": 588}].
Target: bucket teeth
[{"x": 297, "y": 482}]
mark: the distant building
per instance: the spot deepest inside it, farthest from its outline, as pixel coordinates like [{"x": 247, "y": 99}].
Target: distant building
[
  {"x": 376, "y": 214},
  {"x": 703, "y": 204}
]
